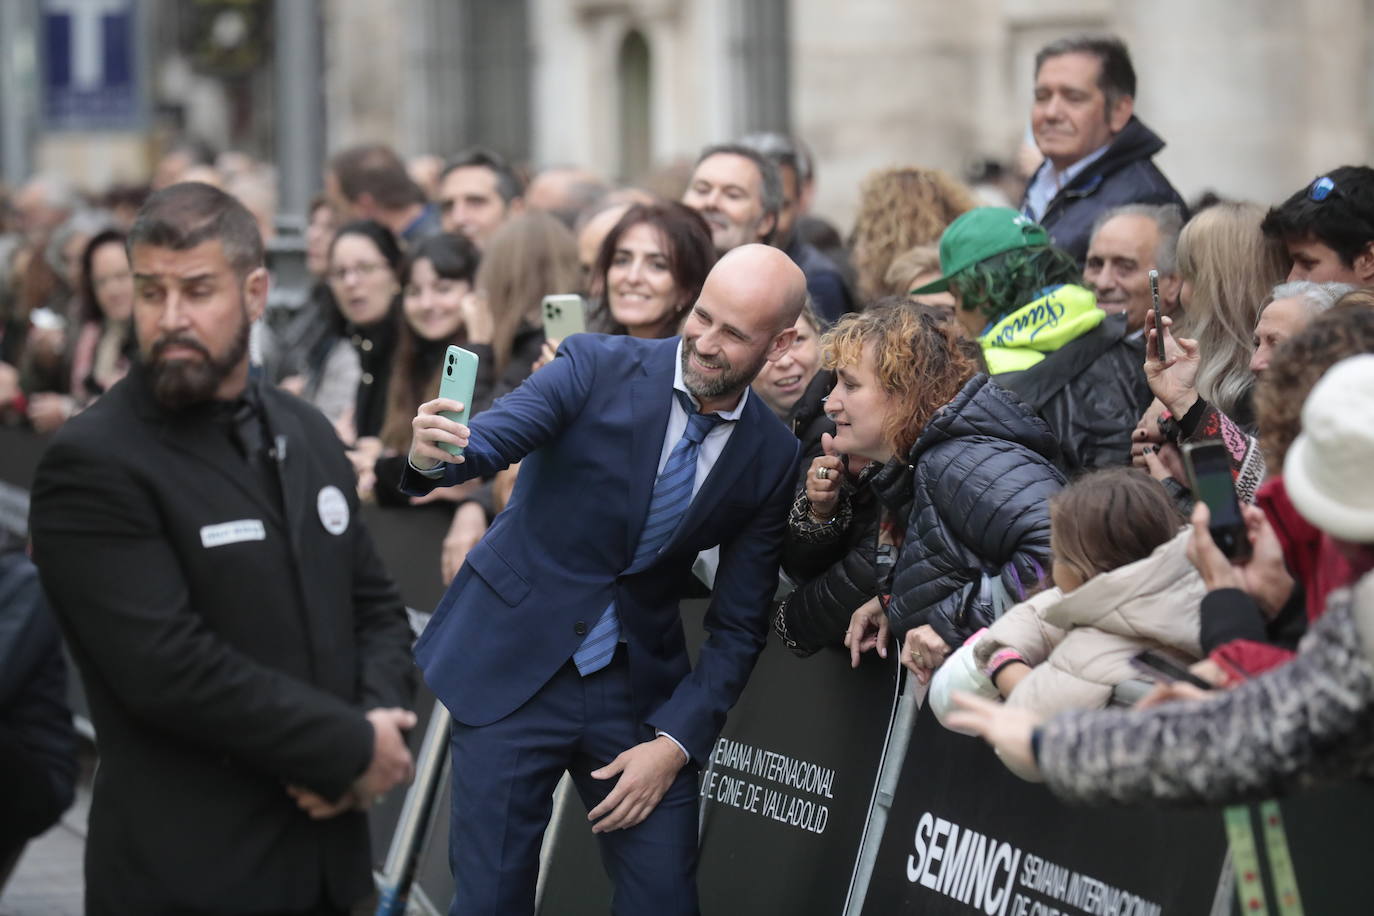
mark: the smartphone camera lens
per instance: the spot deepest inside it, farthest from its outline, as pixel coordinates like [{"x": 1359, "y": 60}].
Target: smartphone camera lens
[{"x": 449, "y": 369}]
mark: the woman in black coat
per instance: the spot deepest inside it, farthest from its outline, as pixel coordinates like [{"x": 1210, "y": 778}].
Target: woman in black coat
[
  {"x": 834, "y": 547},
  {"x": 933, "y": 434}
]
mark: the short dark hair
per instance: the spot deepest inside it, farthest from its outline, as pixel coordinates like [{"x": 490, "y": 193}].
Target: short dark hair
[
  {"x": 1116, "y": 77},
  {"x": 1342, "y": 221},
  {"x": 375, "y": 169},
  {"x": 508, "y": 183},
  {"x": 185, "y": 215},
  {"x": 453, "y": 257},
  {"x": 379, "y": 235},
  {"x": 690, "y": 252},
  {"x": 770, "y": 179}
]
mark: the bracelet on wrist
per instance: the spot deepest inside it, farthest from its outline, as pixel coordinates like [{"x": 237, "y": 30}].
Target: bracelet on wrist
[
  {"x": 1000, "y": 659},
  {"x": 820, "y": 520}
]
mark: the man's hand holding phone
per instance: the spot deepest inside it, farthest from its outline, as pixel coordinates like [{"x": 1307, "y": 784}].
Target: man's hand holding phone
[
  {"x": 1262, "y": 574},
  {"x": 432, "y": 430}
]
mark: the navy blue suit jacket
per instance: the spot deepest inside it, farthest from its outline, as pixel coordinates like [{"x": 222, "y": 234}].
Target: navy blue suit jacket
[{"x": 589, "y": 430}]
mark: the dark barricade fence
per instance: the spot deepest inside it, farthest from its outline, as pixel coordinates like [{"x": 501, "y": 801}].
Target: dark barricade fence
[
  {"x": 790, "y": 786},
  {"x": 785, "y": 795},
  {"x": 964, "y": 835},
  {"x": 1327, "y": 834},
  {"x": 408, "y": 541},
  {"x": 792, "y": 813}
]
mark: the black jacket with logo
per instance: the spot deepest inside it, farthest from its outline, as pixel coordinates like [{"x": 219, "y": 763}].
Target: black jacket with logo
[{"x": 230, "y": 641}]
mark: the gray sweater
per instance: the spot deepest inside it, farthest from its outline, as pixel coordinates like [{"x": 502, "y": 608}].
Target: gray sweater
[{"x": 1308, "y": 721}]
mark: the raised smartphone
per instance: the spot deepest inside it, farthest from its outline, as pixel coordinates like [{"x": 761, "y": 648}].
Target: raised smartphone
[
  {"x": 1159, "y": 668},
  {"x": 1159, "y": 318},
  {"x": 1209, "y": 472},
  {"x": 457, "y": 382},
  {"x": 564, "y": 316}
]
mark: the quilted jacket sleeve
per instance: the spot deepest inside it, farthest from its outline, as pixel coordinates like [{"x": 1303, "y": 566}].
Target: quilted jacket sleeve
[
  {"x": 817, "y": 613},
  {"x": 982, "y": 506}
]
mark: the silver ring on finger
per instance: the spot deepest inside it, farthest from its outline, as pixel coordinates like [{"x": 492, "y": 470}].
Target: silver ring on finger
[{"x": 822, "y": 473}]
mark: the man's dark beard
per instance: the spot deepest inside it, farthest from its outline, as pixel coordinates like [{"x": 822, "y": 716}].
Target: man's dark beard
[
  {"x": 179, "y": 383},
  {"x": 730, "y": 381}
]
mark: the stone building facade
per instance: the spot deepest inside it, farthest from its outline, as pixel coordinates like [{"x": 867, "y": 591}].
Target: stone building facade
[{"x": 1253, "y": 97}]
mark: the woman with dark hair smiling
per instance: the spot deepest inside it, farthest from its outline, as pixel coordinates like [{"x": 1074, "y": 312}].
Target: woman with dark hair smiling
[
  {"x": 439, "y": 311},
  {"x": 652, "y": 266}
]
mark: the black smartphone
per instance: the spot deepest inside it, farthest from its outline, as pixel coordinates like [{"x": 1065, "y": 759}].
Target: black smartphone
[
  {"x": 1159, "y": 668},
  {"x": 1159, "y": 318},
  {"x": 1209, "y": 473}
]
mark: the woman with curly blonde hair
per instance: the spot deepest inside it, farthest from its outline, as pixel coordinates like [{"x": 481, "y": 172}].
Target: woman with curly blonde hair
[
  {"x": 910, "y": 407},
  {"x": 900, "y": 208}
]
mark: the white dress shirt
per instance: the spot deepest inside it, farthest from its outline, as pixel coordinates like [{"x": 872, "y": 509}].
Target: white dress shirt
[{"x": 1048, "y": 182}]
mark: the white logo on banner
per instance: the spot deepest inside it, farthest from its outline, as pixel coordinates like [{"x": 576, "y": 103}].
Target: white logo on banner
[{"x": 333, "y": 508}]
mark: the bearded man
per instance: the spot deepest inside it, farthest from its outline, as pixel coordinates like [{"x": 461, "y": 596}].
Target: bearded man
[
  {"x": 244, "y": 653},
  {"x": 559, "y": 645}
]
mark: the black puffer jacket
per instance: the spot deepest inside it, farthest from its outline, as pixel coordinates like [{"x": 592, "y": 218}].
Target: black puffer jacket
[
  {"x": 984, "y": 472},
  {"x": 1091, "y": 392},
  {"x": 837, "y": 564}
]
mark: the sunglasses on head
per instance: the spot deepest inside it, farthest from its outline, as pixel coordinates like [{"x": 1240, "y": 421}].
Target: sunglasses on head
[{"x": 1322, "y": 188}]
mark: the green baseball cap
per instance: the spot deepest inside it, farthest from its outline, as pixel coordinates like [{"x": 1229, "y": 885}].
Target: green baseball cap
[{"x": 978, "y": 235}]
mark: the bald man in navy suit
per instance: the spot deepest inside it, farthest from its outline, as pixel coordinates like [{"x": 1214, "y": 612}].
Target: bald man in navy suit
[{"x": 559, "y": 645}]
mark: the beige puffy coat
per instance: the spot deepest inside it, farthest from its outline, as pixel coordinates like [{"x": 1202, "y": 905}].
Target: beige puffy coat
[{"x": 1081, "y": 644}]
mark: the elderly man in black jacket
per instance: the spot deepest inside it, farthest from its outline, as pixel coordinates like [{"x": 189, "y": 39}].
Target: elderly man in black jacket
[
  {"x": 1097, "y": 153},
  {"x": 245, "y": 655}
]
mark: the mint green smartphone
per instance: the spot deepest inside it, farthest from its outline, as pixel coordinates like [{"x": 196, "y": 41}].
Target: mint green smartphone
[
  {"x": 457, "y": 383},
  {"x": 564, "y": 316}
]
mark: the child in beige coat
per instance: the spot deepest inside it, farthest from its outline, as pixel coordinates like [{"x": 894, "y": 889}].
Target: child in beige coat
[{"x": 1123, "y": 584}]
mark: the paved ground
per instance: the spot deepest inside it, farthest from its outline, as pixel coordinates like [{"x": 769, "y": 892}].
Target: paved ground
[{"x": 47, "y": 881}]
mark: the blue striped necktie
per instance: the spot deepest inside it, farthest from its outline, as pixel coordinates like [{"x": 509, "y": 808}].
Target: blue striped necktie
[{"x": 672, "y": 495}]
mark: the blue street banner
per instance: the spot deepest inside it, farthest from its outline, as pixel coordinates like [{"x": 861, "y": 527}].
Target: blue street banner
[{"x": 90, "y": 65}]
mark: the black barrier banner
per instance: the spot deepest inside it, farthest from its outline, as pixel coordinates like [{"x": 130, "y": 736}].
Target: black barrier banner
[
  {"x": 1329, "y": 835},
  {"x": 966, "y": 836},
  {"x": 790, "y": 783},
  {"x": 20, "y": 450},
  {"x": 785, "y": 796}
]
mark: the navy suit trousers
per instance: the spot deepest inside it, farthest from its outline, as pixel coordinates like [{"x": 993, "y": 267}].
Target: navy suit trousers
[{"x": 504, "y": 775}]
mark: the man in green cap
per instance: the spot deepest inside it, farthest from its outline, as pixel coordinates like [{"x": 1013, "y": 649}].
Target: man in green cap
[{"x": 1042, "y": 334}]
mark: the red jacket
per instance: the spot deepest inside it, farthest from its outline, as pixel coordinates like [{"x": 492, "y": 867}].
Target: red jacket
[{"x": 1313, "y": 560}]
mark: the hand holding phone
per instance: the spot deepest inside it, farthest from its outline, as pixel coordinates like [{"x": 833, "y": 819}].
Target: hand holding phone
[
  {"x": 457, "y": 383},
  {"x": 1158, "y": 351},
  {"x": 1209, "y": 473}
]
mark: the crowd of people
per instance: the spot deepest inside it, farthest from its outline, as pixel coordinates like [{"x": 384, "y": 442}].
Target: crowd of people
[{"x": 960, "y": 431}]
